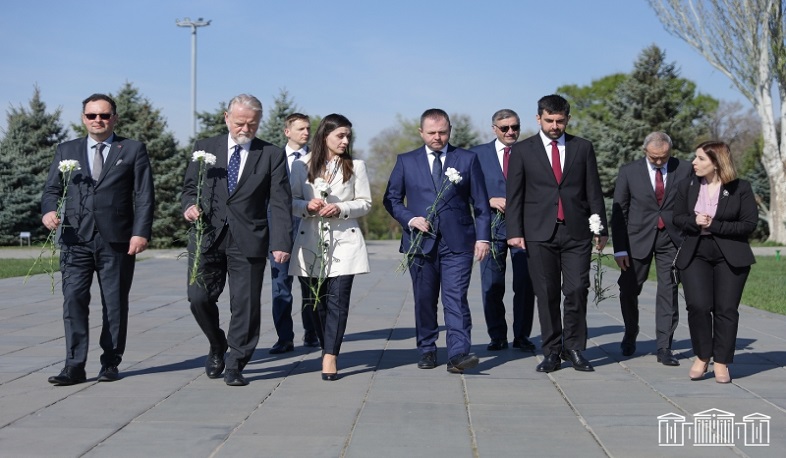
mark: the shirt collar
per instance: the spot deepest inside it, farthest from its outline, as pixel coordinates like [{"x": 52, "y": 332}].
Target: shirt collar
[{"x": 547, "y": 141}]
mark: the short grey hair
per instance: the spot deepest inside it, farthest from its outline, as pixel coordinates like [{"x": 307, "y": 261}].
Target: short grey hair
[
  {"x": 246, "y": 100},
  {"x": 657, "y": 137},
  {"x": 504, "y": 114}
]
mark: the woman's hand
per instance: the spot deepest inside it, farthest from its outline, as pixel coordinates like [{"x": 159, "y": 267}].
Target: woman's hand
[
  {"x": 315, "y": 205},
  {"x": 330, "y": 210}
]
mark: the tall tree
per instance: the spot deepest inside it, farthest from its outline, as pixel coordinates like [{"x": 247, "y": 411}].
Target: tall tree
[
  {"x": 588, "y": 103},
  {"x": 744, "y": 40},
  {"x": 212, "y": 123},
  {"x": 463, "y": 134},
  {"x": 272, "y": 128},
  {"x": 26, "y": 152}
]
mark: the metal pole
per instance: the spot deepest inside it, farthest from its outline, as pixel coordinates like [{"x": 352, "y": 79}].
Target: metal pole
[{"x": 193, "y": 24}]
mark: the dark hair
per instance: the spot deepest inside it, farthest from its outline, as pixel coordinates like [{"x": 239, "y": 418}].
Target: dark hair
[
  {"x": 319, "y": 150},
  {"x": 720, "y": 155},
  {"x": 434, "y": 113},
  {"x": 553, "y": 104},
  {"x": 295, "y": 117},
  {"x": 103, "y": 97}
]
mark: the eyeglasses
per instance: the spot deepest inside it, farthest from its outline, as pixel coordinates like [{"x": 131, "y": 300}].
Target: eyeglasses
[
  {"x": 92, "y": 116},
  {"x": 505, "y": 129}
]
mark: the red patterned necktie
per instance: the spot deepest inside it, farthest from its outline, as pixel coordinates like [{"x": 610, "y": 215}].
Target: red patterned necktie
[
  {"x": 660, "y": 191},
  {"x": 505, "y": 160},
  {"x": 556, "y": 166}
]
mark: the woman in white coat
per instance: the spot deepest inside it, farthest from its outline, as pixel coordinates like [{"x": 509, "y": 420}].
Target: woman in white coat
[{"x": 330, "y": 191}]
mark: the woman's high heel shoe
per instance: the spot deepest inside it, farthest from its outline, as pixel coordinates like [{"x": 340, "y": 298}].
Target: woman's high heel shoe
[
  {"x": 698, "y": 369},
  {"x": 327, "y": 359},
  {"x": 330, "y": 377},
  {"x": 721, "y": 373}
]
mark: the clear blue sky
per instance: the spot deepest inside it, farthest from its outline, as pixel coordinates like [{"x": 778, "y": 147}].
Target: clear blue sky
[{"x": 369, "y": 60}]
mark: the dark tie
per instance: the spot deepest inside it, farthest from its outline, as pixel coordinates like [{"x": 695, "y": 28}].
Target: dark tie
[
  {"x": 98, "y": 160},
  {"x": 660, "y": 191},
  {"x": 233, "y": 170},
  {"x": 436, "y": 170},
  {"x": 556, "y": 166},
  {"x": 296, "y": 154},
  {"x": 505, "y": 160}
]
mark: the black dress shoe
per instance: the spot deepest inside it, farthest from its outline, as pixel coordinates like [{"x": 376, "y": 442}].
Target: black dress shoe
[
  {"x": 497, "y": 345},
  {"x": 70, "y": 375},
  {"x": 329, "y": 377},
  {"x": 577, "y": 359},
  {"x": 428, "y": 360},
  {"x": 523, "y": 343},
  {"x": 458, "y": 363},
  {"x": 233, "y": 377},
  {"x": 214, "y": 364},
  {"x": 281, "y": 347},
  {"x": 666, "y": 357},
  {"x": 550, "y": 363},
  {"x": 310, "y": 340},
  {"x": 108, "y": 374},
  {"x": 628, "y": 345}
]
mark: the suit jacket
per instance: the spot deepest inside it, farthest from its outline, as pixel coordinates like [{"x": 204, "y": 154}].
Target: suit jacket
[
  {"x": 533, "y": 192},
  {"x": 119, "y": 203},
  {"x": 347, "y": 254},
  {"x": 494, "y": 179},
  {"x": 735, "y": 219},
  {"x": 634, "y": 214},
  {"x": 263, "y": 183},
  {"x": 410, "y": 180}
]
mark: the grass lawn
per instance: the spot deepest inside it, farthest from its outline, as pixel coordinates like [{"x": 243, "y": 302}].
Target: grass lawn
[{"x": 19, "y": 267}]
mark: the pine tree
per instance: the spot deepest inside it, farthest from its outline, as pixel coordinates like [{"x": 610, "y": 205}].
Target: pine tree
[
  {"x": 272, "y": 128},
  {"x": 462, "y": 134},
  {"x": 26, "y": 153}
]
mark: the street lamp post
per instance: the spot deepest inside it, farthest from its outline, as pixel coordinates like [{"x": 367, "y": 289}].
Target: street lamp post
[{"x": 193, "y": 24}]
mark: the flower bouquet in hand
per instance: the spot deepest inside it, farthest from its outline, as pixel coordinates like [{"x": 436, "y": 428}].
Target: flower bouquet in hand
[
  {"x": 452, "y": 177},
  {"x": 203, "y": 159},
  {"x": 317, "y": 271},
  {"x": 601, "y": 293},
  {"x": 49, "y": 247}
]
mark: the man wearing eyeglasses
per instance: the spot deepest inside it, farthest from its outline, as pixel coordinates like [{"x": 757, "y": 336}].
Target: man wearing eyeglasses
[
  {"x": 106, "y": 220},
  {"x": 494, "y": 158}
]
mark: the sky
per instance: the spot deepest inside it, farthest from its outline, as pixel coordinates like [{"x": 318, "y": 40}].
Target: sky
[{"x": 370, "y": 60}]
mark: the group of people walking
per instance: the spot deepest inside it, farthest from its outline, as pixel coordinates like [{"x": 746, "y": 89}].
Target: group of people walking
[{"x": 298, "y": 207}]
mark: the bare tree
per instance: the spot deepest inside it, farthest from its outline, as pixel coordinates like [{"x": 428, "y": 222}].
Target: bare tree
[{"x": 744, "y": 40}]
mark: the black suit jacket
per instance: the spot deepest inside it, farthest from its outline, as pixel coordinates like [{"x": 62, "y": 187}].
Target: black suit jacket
[
  {"x": 264, "y": 183},
  {"x": 634, "y": 214},
  {"x": 734, "y": 221},
  {"x": 119, "y": 203},
  {"x": 533, "y": 192}
]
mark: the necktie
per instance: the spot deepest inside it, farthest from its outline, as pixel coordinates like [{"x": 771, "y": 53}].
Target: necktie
[
  {"x": 505, "y": 160},
  {"x": 556, "y": 166},
  {"x": 660, "y": 191},
  {"x": 233, "y": 170},
  {"x": 98, "y": 160},
  {"x": 436, "y": 170},
  {"x": 296, "y": 154}
]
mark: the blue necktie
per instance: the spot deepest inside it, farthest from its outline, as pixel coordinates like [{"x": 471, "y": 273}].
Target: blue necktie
[
  {"x": 436, "y": 170},
  {"x": 233, "y": 170}
]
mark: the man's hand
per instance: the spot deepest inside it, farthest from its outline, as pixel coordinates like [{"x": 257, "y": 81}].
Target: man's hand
[
  {"x": 280, "y": 256},
  {"x": 50, "y": 220},
  {"x": 623, "y": 262},
  {"x": 600, "y": 242},
  {"x": 497, "y": 203},
  {"x": 517, "y": 242},
  {"x": 482, "y": 250},
  {"x": 137, "y": 245},
  {"x": 191, "y": 214},
  {"x": 420, "y": 223}
]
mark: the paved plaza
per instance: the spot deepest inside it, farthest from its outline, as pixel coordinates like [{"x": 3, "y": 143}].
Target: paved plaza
[{"x": 382, "y": 406}]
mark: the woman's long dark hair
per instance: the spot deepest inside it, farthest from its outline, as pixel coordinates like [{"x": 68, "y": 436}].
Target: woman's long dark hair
[{"x": 319, "y": 149}]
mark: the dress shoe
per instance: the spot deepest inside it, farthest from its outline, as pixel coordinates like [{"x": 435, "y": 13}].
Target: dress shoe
[
  {"x": 721, "y": 372},
  {"x": 233, "y": 377},
  {"x": 428, "y": 360},
  {"x": 70, "y": 375},
  {"x": 458, "y": 363},
  {"x": 310, "y": 340},
  {"x": 108, "y": 374},
  {"x": 550, "y": 363},
  {"x": 497, "y": 345},
  {"x": 577, "y": 359},
  {"x": 214, "y": 364},
  {"x": 666, "y": 357},
  {"x": 281, "y": 347},
  {"x": 628, "y": 345},
  {"x": 330, "y": 377},
  {"x": 698, "y": 369},
  {"x": 523, "y": 343}
]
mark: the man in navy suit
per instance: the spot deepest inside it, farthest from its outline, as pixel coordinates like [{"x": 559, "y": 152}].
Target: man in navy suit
[
  {"x": 107, "y": 221},
  {"x": 642, "y": 227},
  {"x": 494, "y": 158},
  {"x": 451, "y": 236},
  {"x": 553, "y": 188}
]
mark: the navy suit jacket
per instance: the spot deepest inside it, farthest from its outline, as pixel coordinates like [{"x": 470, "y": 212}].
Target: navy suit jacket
[
  {"x": 119, "y": 203},
  {"x": 495, "y": 181},
  {"x": 264, "y": 182},
  {"x": 411, "y": 192}
]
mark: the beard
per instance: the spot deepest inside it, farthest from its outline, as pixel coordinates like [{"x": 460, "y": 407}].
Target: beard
[{"x": 241, "y": 139}]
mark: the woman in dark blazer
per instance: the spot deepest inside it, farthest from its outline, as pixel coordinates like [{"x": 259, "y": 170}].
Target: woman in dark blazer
[{"x": 716, "y": 212}]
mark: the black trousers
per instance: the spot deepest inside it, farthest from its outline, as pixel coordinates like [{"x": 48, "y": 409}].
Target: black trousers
[
  {"x": 713, "y": 290},
  {"x": 332, "y": 312}
]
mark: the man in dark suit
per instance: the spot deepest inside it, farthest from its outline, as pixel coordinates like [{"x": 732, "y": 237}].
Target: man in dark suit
[
  {"x": 107, "y": 220},
  {"x": 249, "y": 175},
  {"x": 297, "y": 129},
  {"x": 451, "y": 235},
  {"x": 494, "y": 158},
  {"x": 642, "y": 229},
  {"x": 553, "y": 188}
]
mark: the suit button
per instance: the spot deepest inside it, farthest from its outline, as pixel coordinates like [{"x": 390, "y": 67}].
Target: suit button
[
  {"x": 302, "y": 232},
  {"x": 353, "y": 230}
]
